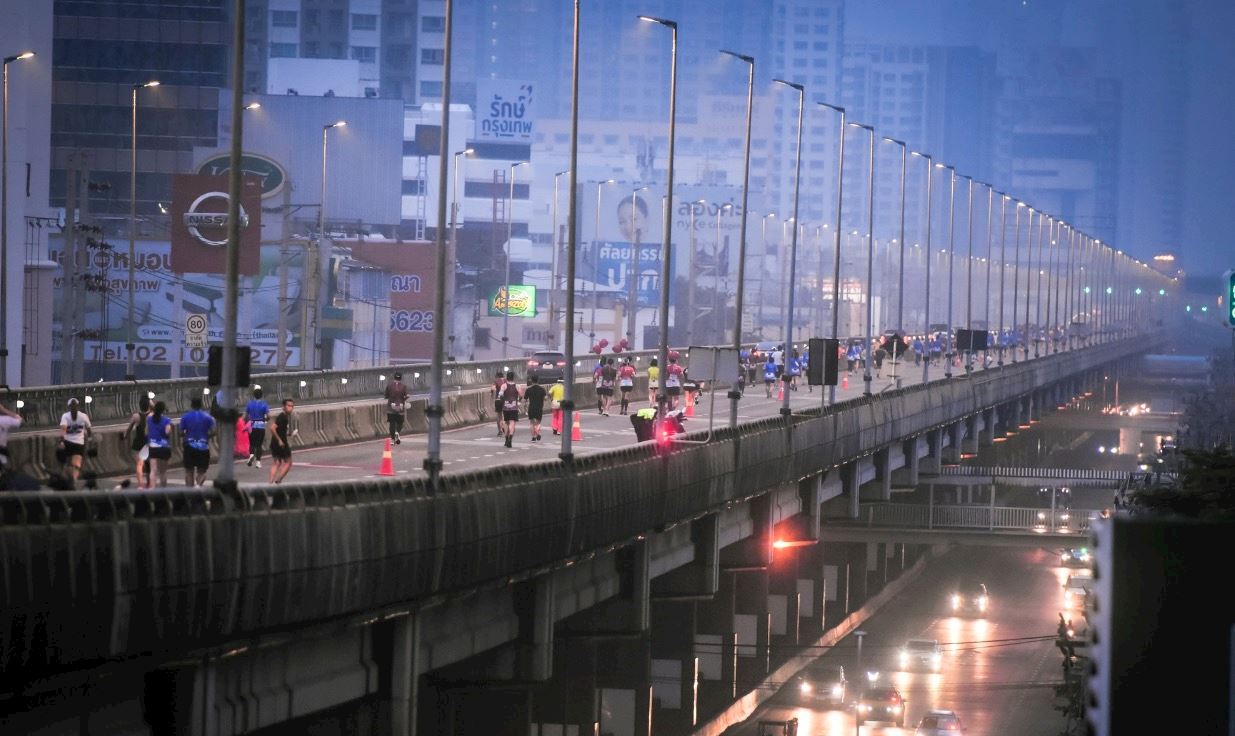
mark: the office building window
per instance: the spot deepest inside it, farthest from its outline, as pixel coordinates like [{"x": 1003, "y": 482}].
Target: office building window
[
  {"x": 430, "y": 89},
  {"x": 364, "y": 54},
  {"x": 433, "y": 24},
  {"x": 432, "y": 57},
  {"x": 364, "y": 22},
  {"x": 413, "y": 186},
  {"x": 282, "y": 50},
  {"x": 283, "y": 18}
]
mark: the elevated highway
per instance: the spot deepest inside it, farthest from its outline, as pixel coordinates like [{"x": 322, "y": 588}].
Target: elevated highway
[{"x": 380, "y": 591}]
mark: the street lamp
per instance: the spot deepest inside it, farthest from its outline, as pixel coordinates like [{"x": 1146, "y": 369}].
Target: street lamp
[
  {"x": 735, "y": 393},
  {"x": 1029, "y": 273},
  {"x": 667, "y": 235},
  {"x": 870, "y": 264},
  {"x": 595, "y": 257},
  {"x": 321, "y": 255},
  {"x": 990, "y": 253},
  {"x": 1016, "y": 269},
  {"x": 793, "y": 251},
  {"x": 718, "y": 303},
  {"x": 434, "y": 412},
  {"x": 510, "y": 224},
  {"x": 900, "y": 278},
  {"x": 947, "y": 373},
  {"x": 4, "y": 226},
  {"x": 763, "y": 238},
  {"x": 572, "y": 237},
  {"x": 452, "y": 257},
  {"x": 690, "y": 270},
  {"x": 840, "y": 194},
  {"x": 632, "y": 272},
  {"x": 131, "y": 347},
  {"x": 969, "y": 278},
  {"x": 926, "y": 314},
  {"x": 1003, "y": 264}
]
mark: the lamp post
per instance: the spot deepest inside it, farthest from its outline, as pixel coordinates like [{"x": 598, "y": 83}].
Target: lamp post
[
  {"x": 763, "y": 236},
  {"x": 572, "y": 236},
  {"x": 969, "y": 278},
  {"x": 900, "y": 277},
  {"x": 1069, "y": 285},
  {"x": 510, "y": 225},
  {"x": 926, "y": 314},
  {"x": 840, "y": 194},
  {"x": 1029, "y": 274},
  {"x": 1016, "y": 271},
  {"x": 793, "y": 250},
  {"x": 225, "y": 480},
  {"x": 452, "y": 257},
  {"x": 4, "y": 224},
  {"x": 718, "y": 303},
  {"x": 667, "y": 242},
  {"x": 735, "y": 392},
  {"x": 554, "y": 281},
  {"x": 690, "y": 271},
  {"x": 595, "y": 256},
  {"x": 1050, "y": 259},
  {"x": 947, "y": 373},
  {"x": 131, "y": 346},
  {"x": 632, "y": 272},
  {"x": 433, "y": 412},
  {"x": 1003, "y": 264},
  {"x": 990, "y": 252},
  {"x": 870, "y": 264},
  {"x": 321, "y": 256}
]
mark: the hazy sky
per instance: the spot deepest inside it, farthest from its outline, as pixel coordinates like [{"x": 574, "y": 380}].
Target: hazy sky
[{"x": 1126, "y": 33}]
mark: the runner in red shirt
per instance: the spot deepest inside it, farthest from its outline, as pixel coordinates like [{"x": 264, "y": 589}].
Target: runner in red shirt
[
  {"x": 626, "y": 383},
  {"x": 673, "y": 382}
]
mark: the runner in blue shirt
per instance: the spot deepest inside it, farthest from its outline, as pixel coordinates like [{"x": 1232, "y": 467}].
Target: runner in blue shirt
[
  {"x": 256, "y": 413},
  {"x": 195, "y": 428},
  {"x": 793, "y": 368},
  {"x": 769, "y": 375},
  {"x": 158, "y": 438}
]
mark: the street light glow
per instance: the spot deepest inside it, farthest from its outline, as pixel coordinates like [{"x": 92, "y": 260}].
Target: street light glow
[
  {"x": 253, "y": 106},
  {"x": 336, "y": 124},
  {"x": 19, "y": 57}
]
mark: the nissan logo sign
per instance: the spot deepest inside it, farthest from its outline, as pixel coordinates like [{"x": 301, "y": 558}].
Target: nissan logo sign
[{"x": 210, "y": 227}]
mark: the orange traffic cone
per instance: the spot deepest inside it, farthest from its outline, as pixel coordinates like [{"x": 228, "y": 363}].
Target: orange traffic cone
[
  {"x": 780, "y": 395},
  {"x": 690, "y": 403},
  {"x": 388, "y": 465},
  {"x": 844, "y": 382},
  {"x": 576, "y": 431}
]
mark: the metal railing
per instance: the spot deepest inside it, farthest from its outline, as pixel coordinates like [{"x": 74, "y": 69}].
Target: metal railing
[
  {"x": 1044, "y": 473},
  {"x": 990, "y": 518}
]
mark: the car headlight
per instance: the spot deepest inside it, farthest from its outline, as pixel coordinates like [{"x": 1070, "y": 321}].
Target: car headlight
[
  {"x": 837, "y": 691},
  {"x": 1064, "y": 557},
  {"x": 982, "y": 602},
  {"x": 864, "y": 707},
  {"x": 895, "y": 709},
  {"x": 904, "y": 658},
  {"x": 806, "y": 688},
  {"x": 956, "y": 602},
  {"x": 936, "y": 661}
]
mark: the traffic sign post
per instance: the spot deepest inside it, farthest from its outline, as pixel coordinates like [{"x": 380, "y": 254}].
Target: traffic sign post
[{"x": 195, "y": 331}]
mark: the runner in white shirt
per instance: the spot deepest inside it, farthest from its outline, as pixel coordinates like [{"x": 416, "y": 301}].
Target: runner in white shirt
[{"x": 75, "y": 429}]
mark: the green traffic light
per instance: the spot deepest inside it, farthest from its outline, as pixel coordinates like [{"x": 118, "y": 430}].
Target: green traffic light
[
  {"x": 1138, "y": 291},
  {"x": 1161, "y": 292}
]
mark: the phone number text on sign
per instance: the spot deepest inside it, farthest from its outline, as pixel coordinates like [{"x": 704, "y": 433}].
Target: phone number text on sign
[{"x": 411, "y": 320}]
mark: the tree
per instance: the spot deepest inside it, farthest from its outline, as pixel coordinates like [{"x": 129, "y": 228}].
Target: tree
[{"x": 1203, "y": 489}]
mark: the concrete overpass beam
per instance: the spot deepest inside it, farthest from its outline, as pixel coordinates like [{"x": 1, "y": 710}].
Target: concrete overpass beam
[
  {"x": 852, "y": 479},
  {"x": 906, "y": 476},
  {"x": 715, "y": 646},
  {"x": 534, "y": 605},
  {"x": 699, "y": 578},
  {"x": 986, "y": 437},
  {"x": 883, "y": 475},
  {"x": 627, "y": 612}
]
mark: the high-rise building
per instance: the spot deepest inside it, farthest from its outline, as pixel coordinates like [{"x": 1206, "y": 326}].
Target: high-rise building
[
  {"x": 1057, "y": 145},
  {"x": 104, "y": 51}
]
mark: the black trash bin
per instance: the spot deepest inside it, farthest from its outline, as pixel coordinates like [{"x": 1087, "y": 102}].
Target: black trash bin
[{"x": 643, "y": 427}]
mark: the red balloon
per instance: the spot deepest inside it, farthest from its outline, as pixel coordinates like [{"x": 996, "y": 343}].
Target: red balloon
[
  {"x": 617, "y": 348},
  {"x": 603, "y": 343},
  {"x": 624, "y": 342}
]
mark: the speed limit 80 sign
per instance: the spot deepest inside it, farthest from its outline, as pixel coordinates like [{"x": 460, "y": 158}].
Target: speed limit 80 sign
[{"x": 195, "y": 331}]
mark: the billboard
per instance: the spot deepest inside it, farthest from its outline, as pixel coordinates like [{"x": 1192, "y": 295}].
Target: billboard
[
  {"x": 163, "y": 299},
  {"x": 515, "y": 300},
  {"x": 199, "y": 224},
  {"x": 505, "y": 110},
  {"x": 630, "y": 216},
  {"x": 413, "y": 292}
]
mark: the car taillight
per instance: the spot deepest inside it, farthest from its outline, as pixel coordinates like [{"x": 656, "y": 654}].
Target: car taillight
[
  {"x": 533, "y": 363},
  {"x": 894, "y": 700},
  {"x": 561, "y": 364}
]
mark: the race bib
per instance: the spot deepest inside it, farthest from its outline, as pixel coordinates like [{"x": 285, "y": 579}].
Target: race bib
[{"x": 510, "y": 405}]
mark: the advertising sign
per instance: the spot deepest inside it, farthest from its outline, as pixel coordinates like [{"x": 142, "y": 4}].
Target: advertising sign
[
  {"x": 168, "y": 306},
  {"x": 515, "y": 300},
  {"x": 505, "y": 110},
  {"x": 199, "y": 224},
  {"x": 271, "y": 177},
  {"x": 413, "y": 290}
]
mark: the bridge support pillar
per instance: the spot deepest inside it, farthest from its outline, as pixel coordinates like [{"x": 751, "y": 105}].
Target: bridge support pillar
[
  {"x": 402, "y": 690},
  {"x": 785, "y": 601},
  {"x": 986, "y": 437},
  {"x": 851, "y": 477},
  {"x": 570, "y": 700},
  {"x": 623, "y": 680},
  {"x": 675, "y": 666},
  {"x": 907, "y": 475},
  {"x": 952, "y": 453},
  {"x": 969, "y": 444},
  {"x": 931, "y": 463},
  {"x": 883, "y": 474},
  {"x": 753, "y": 624},
  {"x": 715, "y": 645},
  {"x": 837, "y": 577}
]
